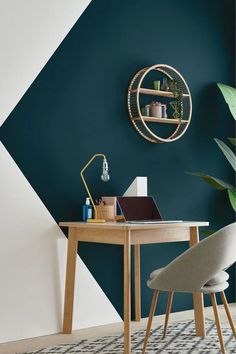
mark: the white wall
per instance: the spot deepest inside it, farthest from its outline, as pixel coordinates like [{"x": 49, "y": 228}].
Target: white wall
[
  {"x": 30, "y": 32},
  {"x": 32, "y": 246}
]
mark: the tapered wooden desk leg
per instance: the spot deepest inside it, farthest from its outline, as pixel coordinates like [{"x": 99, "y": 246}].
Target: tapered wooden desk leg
[
  {"x": 127, "y": 307},
  {"x": 137, "y": 282},
  {"x": 70, "y": 281},
  {"x": 199, "y": 314},
  {"x": 197, "y": 297}
]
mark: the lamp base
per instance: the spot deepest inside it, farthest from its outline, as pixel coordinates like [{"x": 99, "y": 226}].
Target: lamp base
[{"x": 96, "y": 220}]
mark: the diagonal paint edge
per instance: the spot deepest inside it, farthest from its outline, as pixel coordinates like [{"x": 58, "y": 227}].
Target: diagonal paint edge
[
  {"x": 30, "y": 32},
  {"x": 32, "y": 266}
]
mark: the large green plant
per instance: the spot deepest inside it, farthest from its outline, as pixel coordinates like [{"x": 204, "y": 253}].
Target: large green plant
[{"x": 229, "y": 94}]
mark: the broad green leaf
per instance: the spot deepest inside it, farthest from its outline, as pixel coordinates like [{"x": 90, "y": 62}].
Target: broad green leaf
[
  {"x": 213, "y": 181},
  {"x": 232, "y": 197},
  {"x": 229, "y": 94},
  {"x": 229, "y": 154},
  {"x": 233, "y": 141}
]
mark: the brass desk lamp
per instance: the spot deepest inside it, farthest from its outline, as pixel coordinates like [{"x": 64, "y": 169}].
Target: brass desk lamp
[{"x": 104, "y": 177}]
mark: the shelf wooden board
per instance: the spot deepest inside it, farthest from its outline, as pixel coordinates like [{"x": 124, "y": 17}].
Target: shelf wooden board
[
  {"x": 162, "y": 120},
  {"x": 157, "y": 92}
]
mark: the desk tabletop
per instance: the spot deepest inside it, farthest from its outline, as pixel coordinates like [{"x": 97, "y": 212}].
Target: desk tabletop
[{"x": 126, "y": 226}]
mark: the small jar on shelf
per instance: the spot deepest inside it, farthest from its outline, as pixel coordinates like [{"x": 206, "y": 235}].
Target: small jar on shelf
[
  {"x": 156, "y": 109},
  {"x": 146, "y": 110},
  {"x": 164, "y": 110}
]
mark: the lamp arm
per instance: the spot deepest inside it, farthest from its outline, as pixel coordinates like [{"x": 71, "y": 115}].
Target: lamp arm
[{"x": 85, "y": 184}]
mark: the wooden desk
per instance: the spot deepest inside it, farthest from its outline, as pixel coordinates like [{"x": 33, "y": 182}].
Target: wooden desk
[{"x": 128, "y": 235}]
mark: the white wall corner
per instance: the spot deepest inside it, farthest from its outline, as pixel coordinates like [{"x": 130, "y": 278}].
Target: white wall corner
[
  {"x": 32, "y": 246},
  {"x": 32, "y": 266},
  {"x": 30, "y": 32}
]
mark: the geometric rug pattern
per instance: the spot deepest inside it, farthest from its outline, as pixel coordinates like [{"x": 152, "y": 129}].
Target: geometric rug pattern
[{"x": 180, "y": 339}]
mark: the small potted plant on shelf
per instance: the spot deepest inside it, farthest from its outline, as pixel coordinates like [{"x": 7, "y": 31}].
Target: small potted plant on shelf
[{"x": 177, "y": 105}]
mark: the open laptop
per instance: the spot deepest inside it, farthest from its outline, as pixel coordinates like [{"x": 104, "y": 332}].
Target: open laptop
[{"x": 141, "y": 210}]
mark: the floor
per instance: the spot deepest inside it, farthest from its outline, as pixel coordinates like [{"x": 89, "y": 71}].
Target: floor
[{"x": 47, "y": 341}]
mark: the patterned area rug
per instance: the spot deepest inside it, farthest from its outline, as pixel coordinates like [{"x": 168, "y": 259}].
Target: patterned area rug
[{"x": 180, "y": 339}]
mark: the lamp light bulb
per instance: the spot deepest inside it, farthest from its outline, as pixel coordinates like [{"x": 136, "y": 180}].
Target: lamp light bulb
[{"x": 105, "y": 176}]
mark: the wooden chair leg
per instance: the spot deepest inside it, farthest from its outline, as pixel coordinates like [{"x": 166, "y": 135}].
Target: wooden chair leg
[
  {"x": 151, "y": 314},
  {"x": 168, "y": 309},
  {"x": 227, "y": 310},
  {"x": 217, "y": 320}
]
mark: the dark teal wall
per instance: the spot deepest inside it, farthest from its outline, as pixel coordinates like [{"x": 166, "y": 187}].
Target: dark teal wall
[{"x": 77, "y": 107}]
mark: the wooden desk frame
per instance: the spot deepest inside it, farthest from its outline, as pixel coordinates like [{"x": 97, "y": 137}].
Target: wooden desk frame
[{"x": 127, "y": 235}]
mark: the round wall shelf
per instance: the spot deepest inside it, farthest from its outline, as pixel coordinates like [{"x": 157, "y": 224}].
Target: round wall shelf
[{"x": 174, "y": 96}]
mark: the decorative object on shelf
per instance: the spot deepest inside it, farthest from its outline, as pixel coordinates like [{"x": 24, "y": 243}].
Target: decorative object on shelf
[
  {"x": 175, "y": 87},
  {"x": 175, "y": 106},
  {"x": 157, "y": 85},
  {"x": 146, "y": 110},
  {"x": 104, "y": 177},
  {"x": 156, "y": 109},
  {"x": 165, "y": 84},
  {"x": 164, "y": 111}
]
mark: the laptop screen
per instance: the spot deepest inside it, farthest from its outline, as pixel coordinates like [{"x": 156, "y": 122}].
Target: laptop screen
[{"x": 138, "y": 208}]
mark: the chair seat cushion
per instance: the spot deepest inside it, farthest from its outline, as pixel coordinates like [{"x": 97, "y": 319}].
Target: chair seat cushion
[
  {"x": 155, "y": 273},
  {"x": 209, "y": 289},
  {"x": 218, "y": 278},
  {"x": 216, "y": 284}
]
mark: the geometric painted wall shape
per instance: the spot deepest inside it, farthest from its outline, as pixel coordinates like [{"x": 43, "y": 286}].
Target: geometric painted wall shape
[
  {"x": 30, "y": 32},
  {"x": 76, "y": 107},
  {"x": 32, "y": 246},
  {"x": 32, "y": 266}
]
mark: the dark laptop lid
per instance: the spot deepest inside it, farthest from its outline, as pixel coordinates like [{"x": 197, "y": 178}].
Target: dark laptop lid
[{"x": 139, "y": 208}]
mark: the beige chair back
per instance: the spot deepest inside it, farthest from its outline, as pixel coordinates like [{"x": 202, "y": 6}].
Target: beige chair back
[{"x": 195, "y": 267}]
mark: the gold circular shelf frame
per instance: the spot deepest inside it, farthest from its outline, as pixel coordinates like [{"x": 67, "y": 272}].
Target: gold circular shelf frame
[{"x": 140, "y": 122}]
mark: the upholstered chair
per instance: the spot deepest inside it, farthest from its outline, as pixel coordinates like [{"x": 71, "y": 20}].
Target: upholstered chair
[{"x": 200, "y": 269}]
